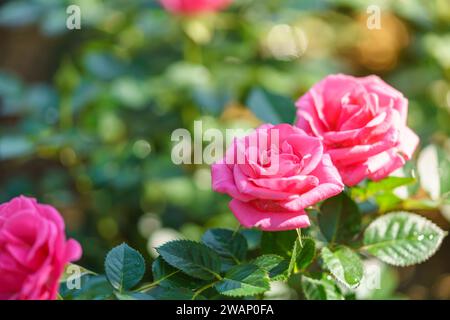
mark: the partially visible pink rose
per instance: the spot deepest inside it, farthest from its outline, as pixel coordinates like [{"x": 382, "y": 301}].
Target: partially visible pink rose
[
  {"x": 362, "y": 123},
  {"x": 33, "y": 250},
  {"x": 273, "y": 180},
  {"x": 190, "y": 7}
]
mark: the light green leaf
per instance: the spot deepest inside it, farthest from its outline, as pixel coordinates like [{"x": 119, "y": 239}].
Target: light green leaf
[
  {"x": 402, "y": 238},
  {"x": 243, "y": 280},
  {"x": 271, "y": 108},
  {"x": 227, "y": 243},
  {"x": 344, "y": 264},
  {"x": 73, "y": 271},
  {"x": 193, "y": 258},
  {"x": 320, "y": 289},
  {"x": 293, "y": 260},
  {"x": 339, "y": 218},
  {"x": 387, "y": 184},
  {"x": 379, "y": 283},
  {"x": 387, "y": 201},
  {"x": 433, "y": 166},
  {"x": 124, "y": 267},
  {"x": 275, "y": 266}
]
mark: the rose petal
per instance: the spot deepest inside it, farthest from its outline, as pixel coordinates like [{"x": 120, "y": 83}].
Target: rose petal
[{"x": 249, "y": 217}]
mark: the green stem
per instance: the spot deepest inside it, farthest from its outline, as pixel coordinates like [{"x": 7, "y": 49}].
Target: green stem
[
  {"x": 299, "y": 233},
  {"x": 199, "y": 291},
  {"x": 148, "y": 286}
]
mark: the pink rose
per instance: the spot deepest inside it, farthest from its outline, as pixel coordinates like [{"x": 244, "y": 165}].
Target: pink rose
[
  {"x": 188, "y": 7},
  {"x": 362, "y": 123},
  {"x": 273, "y": 174},
  {"x": 33, "y": 250}
]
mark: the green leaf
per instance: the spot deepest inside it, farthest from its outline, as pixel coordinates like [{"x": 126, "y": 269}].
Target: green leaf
[
  {"x": 280, "y": 243},
  {"x": 293, "y": 260},
  {"x": 193, "y": 258},
  {"x": 433, "y": 166},
  {"x": 339, "y": 218},
  {"x": 275, "y": 266},
  {"x": 307, "y": 253},
  {"x": 211, "y": 100},
  {"x": 73, "y": 271},
  {"x": 271, "y": 108},
  {"x": 161, "y": 293},
  {"x": 402, "y": 238},
  {"x": 379, "y": 283},
  {"x": 133, "y": 296},
  {"x": 124, "y": 267},
  {"x": 344, "y": 264},
  {"x": 90, "y": 287},
  {"x": 320, "y": 289},
  {"x": 387, "y": 201},
  {"x": 253, "y": 237},
  {"x": 170, "y": 277},
  {"x": 227, "y": 243},
  {"x": 387, "y": 184},
  {"x": 243, "y": 280}
]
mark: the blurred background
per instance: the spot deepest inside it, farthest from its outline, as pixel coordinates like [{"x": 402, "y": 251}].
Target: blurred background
[{"x": 86, "y": 115}]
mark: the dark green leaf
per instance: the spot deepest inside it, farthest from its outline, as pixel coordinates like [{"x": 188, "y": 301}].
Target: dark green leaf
[
  {"x": 133, "y": 296},
  {"x": 161, "y": 293},
  {"x": 306, "y": 255},
  {"x": 124, "y": 267},
  {"x": 339, "y": 219},
  {"x": 280, "y": 243},
  {"x": 170, "y": 277},
  {"x": 253, "y": 237},
  {"x": 227, "y": 243},
  {"x": 193, "y": 258},
  {"x": 243, "y": 280},
  {"x": 90, "y": 287}
]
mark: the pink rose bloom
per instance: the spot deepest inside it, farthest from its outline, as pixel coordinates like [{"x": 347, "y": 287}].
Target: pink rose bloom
[
  {"x": 189, "y": 7},
  {"x": 33, "y": 250},
  {"x": 273, "y": 180},
  {"x": 362, "y": 123}
]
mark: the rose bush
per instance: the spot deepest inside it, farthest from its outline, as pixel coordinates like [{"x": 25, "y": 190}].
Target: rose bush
[
  {"x": 188, "y": 7},
  {"x": 286, "y": 174},
  {"x": 33, "y": 250},
  {"x": 362, "y": 123}
]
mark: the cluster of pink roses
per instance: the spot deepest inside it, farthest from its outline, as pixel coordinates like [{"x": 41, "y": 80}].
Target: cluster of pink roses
[{"x": 347, "y": 129}]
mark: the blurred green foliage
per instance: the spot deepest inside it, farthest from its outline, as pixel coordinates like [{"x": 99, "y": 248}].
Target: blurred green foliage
[{"x": 92, "y": 135}]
